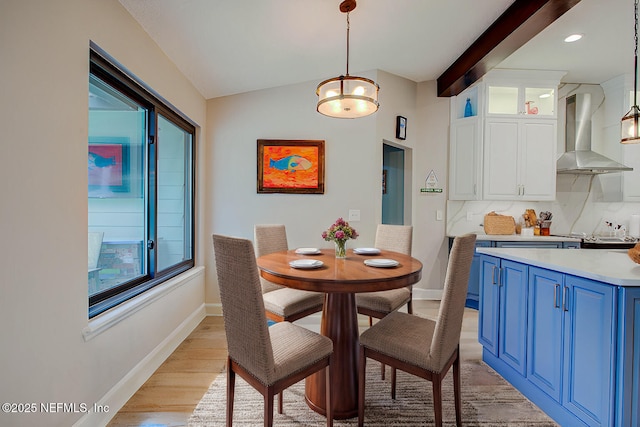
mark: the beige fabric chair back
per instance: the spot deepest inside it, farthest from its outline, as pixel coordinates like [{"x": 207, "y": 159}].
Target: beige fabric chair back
[
  {"x": 449, "y": 323},
  {"x": 269, "y": 238},
  {"x": 245, "y": 324},
  {"x": 395, "y": 238}
]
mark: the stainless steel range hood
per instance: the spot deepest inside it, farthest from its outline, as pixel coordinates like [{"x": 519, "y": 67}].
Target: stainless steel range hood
[{"x": 579, "y": 159}]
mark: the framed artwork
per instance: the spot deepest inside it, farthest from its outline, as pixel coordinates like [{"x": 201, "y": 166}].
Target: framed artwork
[
  {"x": 401, "y": 127},
  {"x": 109, "y": 167},
  {"x": 290, "y": 166}
]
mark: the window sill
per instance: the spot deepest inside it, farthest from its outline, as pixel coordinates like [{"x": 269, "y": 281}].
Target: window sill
[{"x": 112, "y": 317}]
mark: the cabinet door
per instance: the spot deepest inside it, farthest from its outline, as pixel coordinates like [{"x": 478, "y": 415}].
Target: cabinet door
[
  {"x": 589, "y": 349},
  {"x": 544, "y": 346},
  {"x": 513, "y": 315},
  {"x": 537, "y": 171},
  {"x": 473, "y": 292},
  {"x": 464, "y": 167},
  {"x": 501, "y": 160},
  {"x": 488, "y": 311}
]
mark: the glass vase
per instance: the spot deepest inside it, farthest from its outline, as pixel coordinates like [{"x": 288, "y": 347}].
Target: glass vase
[{"x": 341, "y": 248}]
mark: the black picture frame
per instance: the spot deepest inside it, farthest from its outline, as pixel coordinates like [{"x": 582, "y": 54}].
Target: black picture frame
[{"x": 401, "y": 127}]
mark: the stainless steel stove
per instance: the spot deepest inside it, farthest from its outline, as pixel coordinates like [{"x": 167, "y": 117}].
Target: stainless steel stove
[{"x": 596, "y": 241}]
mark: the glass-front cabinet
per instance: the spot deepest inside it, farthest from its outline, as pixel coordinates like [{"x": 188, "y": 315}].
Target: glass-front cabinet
[
  {"x": 522, "y": 93},
  {"x": 521, "y": 100}
]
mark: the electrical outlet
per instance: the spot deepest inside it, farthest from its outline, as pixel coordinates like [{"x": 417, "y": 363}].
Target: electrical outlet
[
  {"x": 354, "y": 214},
  {"x": 469, "y": 216}
]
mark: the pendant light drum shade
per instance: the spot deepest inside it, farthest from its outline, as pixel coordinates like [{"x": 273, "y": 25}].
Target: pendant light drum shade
[{"x": 347, "y": 97}]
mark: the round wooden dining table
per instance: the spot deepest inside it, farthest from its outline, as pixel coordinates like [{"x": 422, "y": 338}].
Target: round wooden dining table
[{"x": 340, "y": 280}]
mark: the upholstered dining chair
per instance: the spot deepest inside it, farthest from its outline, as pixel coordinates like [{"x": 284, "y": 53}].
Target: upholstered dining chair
[
  {"x": 420, "y": 346},
  {"x": 282, "y": 303},
  {"x": 395, "y": 238},
  {"x": 268, "y": 358}
]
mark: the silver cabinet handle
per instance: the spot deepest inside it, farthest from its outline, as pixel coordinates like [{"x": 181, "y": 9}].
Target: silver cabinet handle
[
  {"x": 555, "y": 295},
  {"x": 493, "y": 275},
  {"x": 565, "y": 299}
]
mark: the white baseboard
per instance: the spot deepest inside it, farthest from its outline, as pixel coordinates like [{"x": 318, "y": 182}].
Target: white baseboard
[
  {"x": 119, "y": 394},
  {"x": 213, "y": 309}
]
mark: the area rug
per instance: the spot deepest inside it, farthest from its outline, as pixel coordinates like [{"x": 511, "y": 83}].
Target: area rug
[{"x": 487, "y": 400}]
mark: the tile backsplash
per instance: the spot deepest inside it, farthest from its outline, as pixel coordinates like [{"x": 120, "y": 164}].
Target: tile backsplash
[{"x": 579, "y": 208}]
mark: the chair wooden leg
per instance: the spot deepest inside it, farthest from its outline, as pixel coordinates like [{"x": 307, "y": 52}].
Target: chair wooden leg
[
  {"x": 361, "y": 384},
  {"x": 382, "y": 370},
  {"x": 437, "y": 399},
  {"x": 231, "y": 382},
  {"x": 268, "y": 407},
  {"x": 328, "y": 395},
  {"x": 370, "y": 321},
  {"x": 456, "y": 388},
  {"x": 393, "y": 383},
  {"x": 280, "y": 402}
]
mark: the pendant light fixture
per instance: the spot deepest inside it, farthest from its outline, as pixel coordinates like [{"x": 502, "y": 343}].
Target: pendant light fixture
[
  {"x": 347, "y": 97},
  {"x": 629, "y": 130}
]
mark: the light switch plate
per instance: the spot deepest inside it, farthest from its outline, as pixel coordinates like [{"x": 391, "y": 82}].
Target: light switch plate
[{"x": 354, "y": 214}]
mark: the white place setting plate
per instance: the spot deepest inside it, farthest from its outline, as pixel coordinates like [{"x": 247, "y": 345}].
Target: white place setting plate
[
  {"x": 366, "y": 251},
  {"x": 306, "y": 263},
  {"x": 308, "y": 251},
  {"x": 381, "y": 263}
]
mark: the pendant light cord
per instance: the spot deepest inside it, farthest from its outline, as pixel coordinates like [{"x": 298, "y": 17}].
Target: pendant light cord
[
  {"x": 635, "y": 57},
  {"x": 349, "y": 25}
]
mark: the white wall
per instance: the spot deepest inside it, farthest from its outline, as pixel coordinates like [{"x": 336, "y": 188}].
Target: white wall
[
  {"x": 44, "y": 46},
  {"x": 353, "y": 153}
]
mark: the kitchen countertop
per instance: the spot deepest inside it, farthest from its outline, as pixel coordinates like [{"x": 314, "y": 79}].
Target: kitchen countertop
[
  {"x": 519, "y": 238},
  {"x": 606, "y": 265}
]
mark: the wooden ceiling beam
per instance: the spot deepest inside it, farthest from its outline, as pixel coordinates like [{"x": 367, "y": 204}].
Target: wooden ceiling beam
[{"x": 515, "y": 27}]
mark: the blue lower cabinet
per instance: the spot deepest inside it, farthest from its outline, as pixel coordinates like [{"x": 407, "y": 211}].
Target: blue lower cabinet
[
  {"x": 589, "y": 350},
  {"x": 502, "y": 318},
  {"x": 628, "y": 363},
  {"x": 544, "y": 340},
  {"x": 512, "y": 337},
  {"x": 473, "y": 293},
  {"x": 489, "y": 308},
  {"x": 556, "y": 339}
]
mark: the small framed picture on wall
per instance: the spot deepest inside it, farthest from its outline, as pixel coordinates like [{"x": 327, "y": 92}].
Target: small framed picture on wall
[{"x": 401, "y": 127}]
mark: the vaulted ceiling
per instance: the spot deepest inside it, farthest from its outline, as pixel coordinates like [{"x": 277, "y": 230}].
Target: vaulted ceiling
[{"x": 229, "y": 47}]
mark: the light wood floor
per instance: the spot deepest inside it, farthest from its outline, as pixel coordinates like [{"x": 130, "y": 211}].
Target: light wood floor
[{"x": 171, "y": 394}]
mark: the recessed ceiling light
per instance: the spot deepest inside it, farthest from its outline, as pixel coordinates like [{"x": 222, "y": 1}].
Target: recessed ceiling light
[{"x": 573, "y": 38}]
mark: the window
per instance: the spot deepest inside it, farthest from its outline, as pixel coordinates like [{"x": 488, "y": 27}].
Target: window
[{"x": 140, "y": 187}]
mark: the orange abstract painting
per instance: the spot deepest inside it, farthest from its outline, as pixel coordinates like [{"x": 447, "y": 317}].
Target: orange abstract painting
[{"x": 286, "y": 166}]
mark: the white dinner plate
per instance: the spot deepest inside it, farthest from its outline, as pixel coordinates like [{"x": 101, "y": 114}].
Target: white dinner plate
[
  {"x": 381, "y": 262},
  {"x": 308, "y": 251},
  {"x": 366, "y": 251},
  {"x": 306, "y": 263}
]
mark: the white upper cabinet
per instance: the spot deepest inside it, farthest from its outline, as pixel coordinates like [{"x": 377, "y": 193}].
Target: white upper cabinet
[
  {"x": 506, "y": 148},
  {"x": 519, "y": 159},
  {"x": 465, "y": 166}
]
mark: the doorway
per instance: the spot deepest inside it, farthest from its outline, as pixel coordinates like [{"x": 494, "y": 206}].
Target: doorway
[{"x": 394, "y": 189}]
